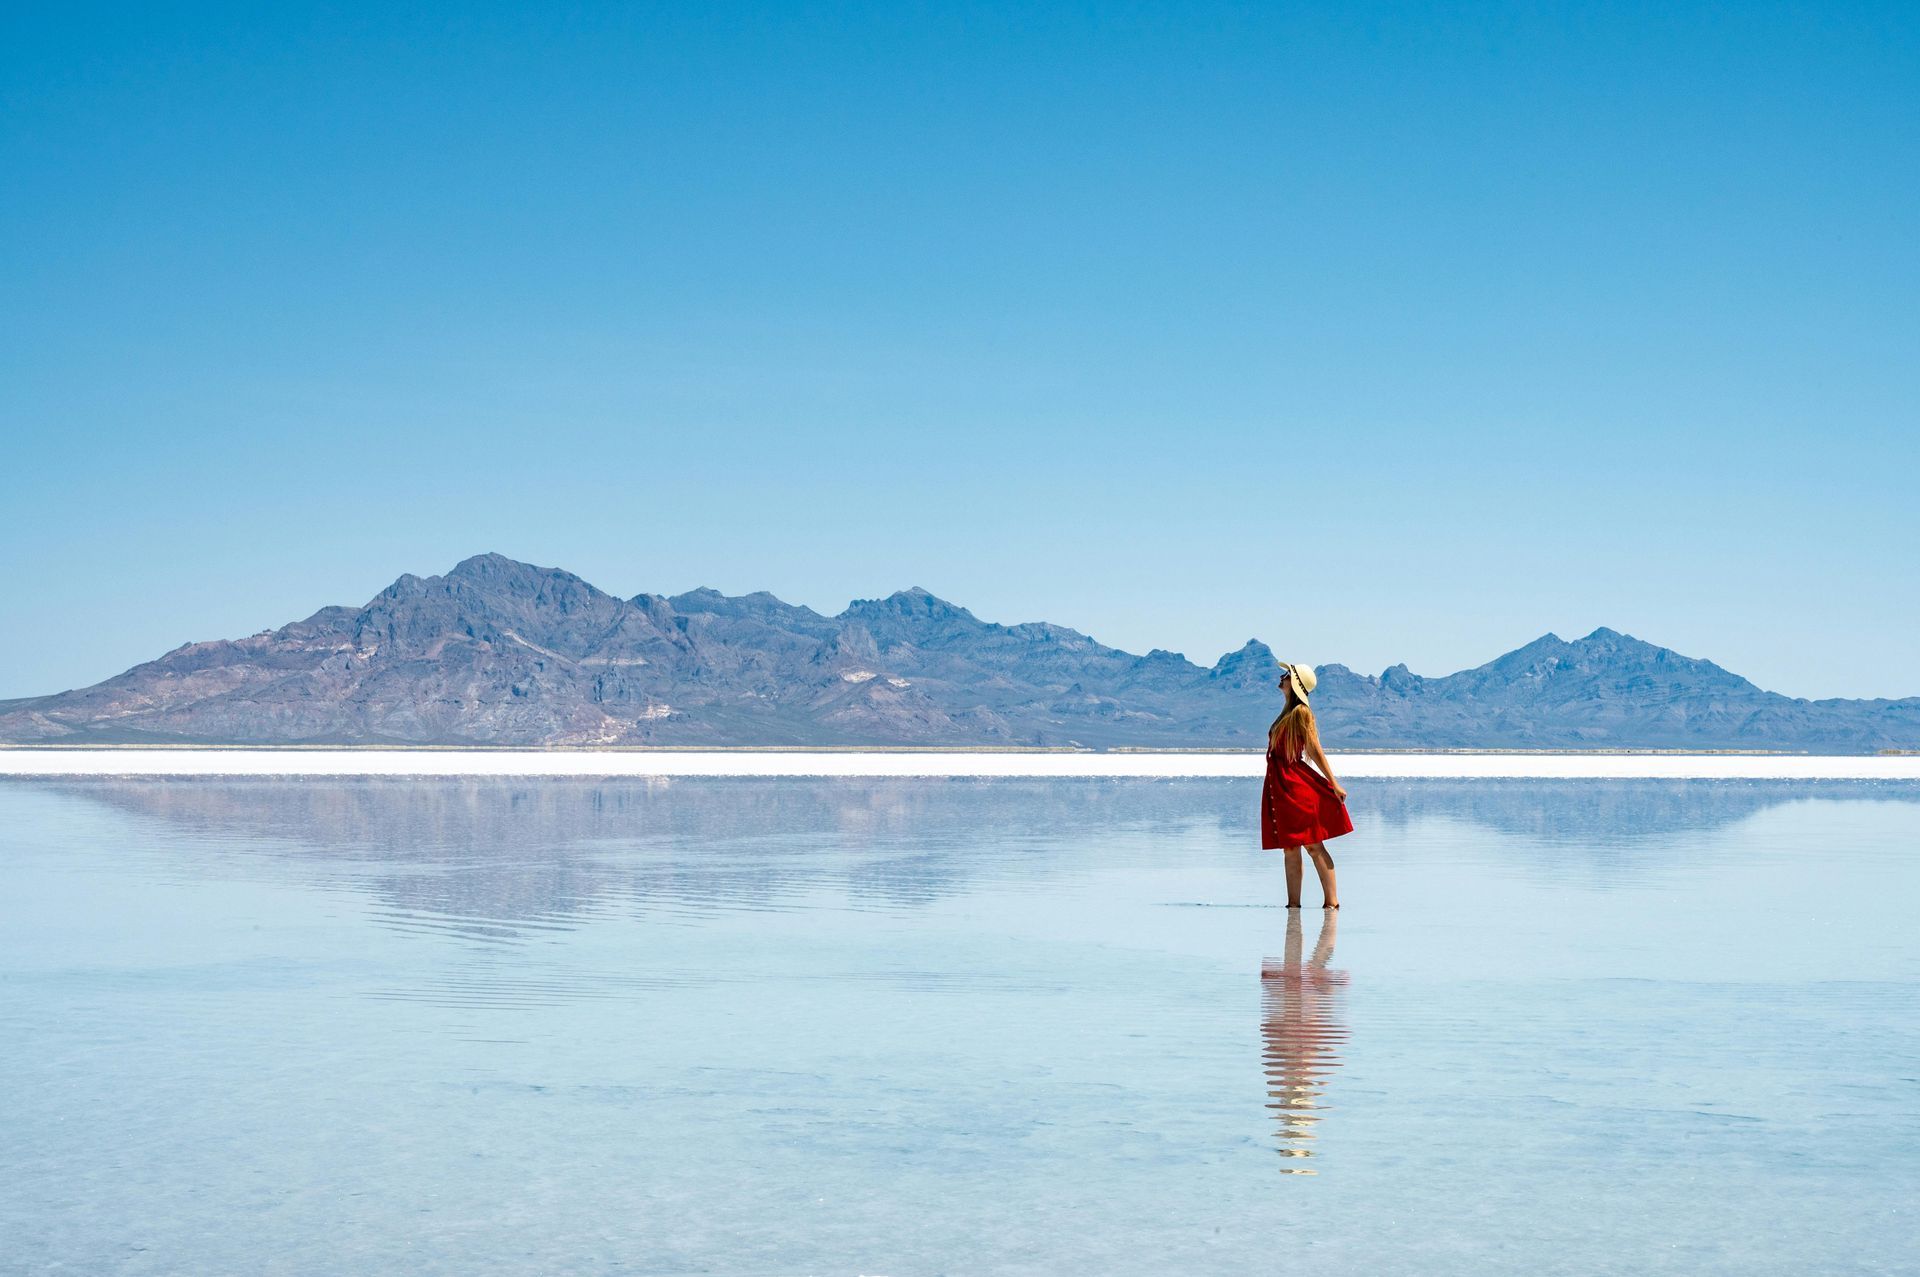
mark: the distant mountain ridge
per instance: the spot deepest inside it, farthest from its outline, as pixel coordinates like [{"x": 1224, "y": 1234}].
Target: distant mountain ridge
[{"x": 499, "y": 652}]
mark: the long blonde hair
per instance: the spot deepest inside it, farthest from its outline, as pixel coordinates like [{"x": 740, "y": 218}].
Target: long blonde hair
[{"x": 1291, "y": 731}]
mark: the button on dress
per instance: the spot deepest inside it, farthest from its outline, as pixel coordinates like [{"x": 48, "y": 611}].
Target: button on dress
[{"x": 1298, "y": 806}]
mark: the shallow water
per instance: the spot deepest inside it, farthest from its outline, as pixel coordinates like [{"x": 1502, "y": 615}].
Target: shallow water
[{"x": 904, "y": 1027}]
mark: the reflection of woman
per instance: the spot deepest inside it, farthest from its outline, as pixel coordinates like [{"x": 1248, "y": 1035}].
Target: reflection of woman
[
  {"x": 1301, "y": 807},
  {"x": 1301, "y": 1030}
]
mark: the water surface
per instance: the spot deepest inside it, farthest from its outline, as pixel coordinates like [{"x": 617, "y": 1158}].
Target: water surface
[{"x": 901, "y": 1027}]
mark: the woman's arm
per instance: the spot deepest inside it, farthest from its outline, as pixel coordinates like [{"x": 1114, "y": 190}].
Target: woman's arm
[{"x": 1319, "y": 758}]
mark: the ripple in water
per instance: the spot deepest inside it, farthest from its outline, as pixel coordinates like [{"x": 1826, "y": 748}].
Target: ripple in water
[{"x": 1302, "y": 1028}]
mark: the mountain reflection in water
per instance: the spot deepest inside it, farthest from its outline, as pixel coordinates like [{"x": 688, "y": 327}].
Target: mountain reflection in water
[{"x": 1302, "y": 1029}]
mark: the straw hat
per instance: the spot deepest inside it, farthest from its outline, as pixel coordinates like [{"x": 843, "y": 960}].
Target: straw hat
[{"x": 1298, "y": 677}]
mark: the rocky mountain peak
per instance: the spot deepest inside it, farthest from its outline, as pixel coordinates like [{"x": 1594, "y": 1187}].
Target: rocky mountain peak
[
  {"x": 496, "y": 573},
  {"x": 1251, "y": 665},
  {"x": 1253, "y": 651},
  {"x": 489, "y": 564},
  {"x": 915, "y": 601},
  {"x": 910, "y": 616}
]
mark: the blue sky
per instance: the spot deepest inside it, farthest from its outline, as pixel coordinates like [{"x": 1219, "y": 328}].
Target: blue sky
[{"x": 1384, "y": 333}]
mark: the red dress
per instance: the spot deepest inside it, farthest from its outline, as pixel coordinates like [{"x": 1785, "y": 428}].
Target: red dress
[{"x": 1298, "y": 806}]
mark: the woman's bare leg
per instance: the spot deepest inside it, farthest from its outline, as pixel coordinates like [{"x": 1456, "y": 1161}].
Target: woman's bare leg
[
  {"x": 1323, "y": 865},
  {"x": 1293, "y": 877}
]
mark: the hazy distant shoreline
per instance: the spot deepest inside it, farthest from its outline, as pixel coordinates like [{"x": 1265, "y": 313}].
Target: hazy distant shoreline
[{"x": 184, "y": 761}]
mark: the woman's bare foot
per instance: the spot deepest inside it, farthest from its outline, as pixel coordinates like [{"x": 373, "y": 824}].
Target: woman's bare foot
[
  {"x": 1293, "y": 904},
  {"x": 1331, "y": 904}
]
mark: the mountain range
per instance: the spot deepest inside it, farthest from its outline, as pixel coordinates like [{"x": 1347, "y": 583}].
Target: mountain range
[{"x": 498, "y": 652}]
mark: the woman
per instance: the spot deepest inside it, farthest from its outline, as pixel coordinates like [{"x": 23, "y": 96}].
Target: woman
[{"x": 1300, "y": 807}]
